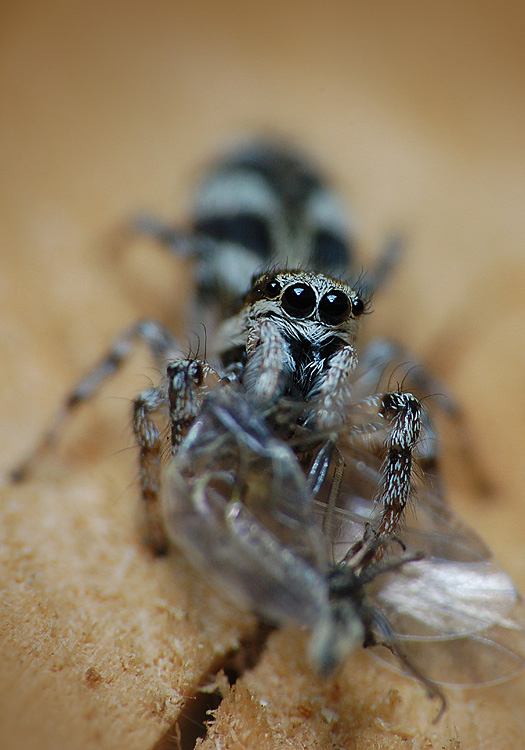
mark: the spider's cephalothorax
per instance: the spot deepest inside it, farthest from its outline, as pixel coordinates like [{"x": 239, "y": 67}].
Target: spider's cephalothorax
[{"x": 295, "y": 336}]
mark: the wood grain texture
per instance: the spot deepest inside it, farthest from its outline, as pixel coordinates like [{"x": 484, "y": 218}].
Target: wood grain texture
[{"x": 418, "y": 115}]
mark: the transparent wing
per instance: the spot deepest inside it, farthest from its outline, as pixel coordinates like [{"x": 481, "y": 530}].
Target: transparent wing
[
  {"x": 493, "y": 655},
  {"x": 455, "y": 614},
  {"x": 236, "y": 501},
  {"x": 434, "y": 600},
  {"x": 460, "y": 623}
]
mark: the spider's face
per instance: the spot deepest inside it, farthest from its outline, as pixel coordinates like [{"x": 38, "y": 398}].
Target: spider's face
[{"x": 313, "y": 304}]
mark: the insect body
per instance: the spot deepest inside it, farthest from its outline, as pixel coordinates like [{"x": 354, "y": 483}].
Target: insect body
[
  {"x": 239, "y": 504},
  {"x": 237, "y": 501}
]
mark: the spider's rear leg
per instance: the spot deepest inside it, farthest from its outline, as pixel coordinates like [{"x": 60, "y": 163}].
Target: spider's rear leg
[
  {"x": 386, "y": 264},
  {"x": 180, "y": 242},
  {"x": 162, "y": 346}
]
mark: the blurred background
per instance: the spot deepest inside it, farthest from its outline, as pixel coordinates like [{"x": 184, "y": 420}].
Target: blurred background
[{"x": 417, "y": 112}]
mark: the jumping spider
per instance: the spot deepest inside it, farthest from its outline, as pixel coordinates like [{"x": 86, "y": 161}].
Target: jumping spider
[
  {"x": 292, "y": 335},
  {"x": 283, "y": 421}
]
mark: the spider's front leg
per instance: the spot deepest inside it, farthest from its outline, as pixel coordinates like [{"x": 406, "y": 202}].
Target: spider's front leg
[
  {"x": 271, "y": 364},
  {"x": 403, "y": 410},
  {"x": 403, "y": 413},
  {"x": 149, "y": 441},
  {"x": 185, "y": 393},
  {"x": 183, "y": 396}
]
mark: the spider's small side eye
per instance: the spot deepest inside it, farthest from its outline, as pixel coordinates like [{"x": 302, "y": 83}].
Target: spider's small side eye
[
  {"x": 358, "y": 306},
  {"x": 334, "y": 307},
  {"x": 272, "y": 289},
  {"x": 299, "y": 300}
]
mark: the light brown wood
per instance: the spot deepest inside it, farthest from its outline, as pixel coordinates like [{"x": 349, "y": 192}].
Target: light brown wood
[{"x": 418, "y": 115}]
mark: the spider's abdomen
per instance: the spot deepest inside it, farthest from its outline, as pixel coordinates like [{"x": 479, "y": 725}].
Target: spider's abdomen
[{"x": 264, "y": 204}]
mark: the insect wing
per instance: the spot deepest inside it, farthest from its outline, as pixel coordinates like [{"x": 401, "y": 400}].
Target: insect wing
[
  {"x": 487, "y": 657},
  {"x": 439, "y": 599},
  {"x": 237, "y": 503},
  {"x": 456, "y": 615}
]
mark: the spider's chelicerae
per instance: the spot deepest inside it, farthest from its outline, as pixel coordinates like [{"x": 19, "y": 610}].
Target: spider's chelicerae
[{"x": 291, "y": 473}]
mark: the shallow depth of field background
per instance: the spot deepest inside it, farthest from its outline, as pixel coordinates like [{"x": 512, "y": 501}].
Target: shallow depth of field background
[{"x": 416, "y": 111}]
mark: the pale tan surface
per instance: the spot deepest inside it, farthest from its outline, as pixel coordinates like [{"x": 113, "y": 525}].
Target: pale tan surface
[{"x": 419, "y": 116}]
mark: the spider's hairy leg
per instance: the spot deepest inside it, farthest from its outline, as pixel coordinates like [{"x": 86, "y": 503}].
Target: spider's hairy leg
[
  {"x": 178, "y": 241},
  {"x": 403, "y": 413},
  {"x": 182, "y": 397},
  {"x": 162, "y": 347},
  {"x": 149, "y": 441},
  {"x": 185, "y": 392},
  {"x": 383, "y": 356},
  {"x": 385, "y": 265}
]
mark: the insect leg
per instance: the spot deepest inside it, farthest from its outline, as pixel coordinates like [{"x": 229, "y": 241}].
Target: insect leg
[
  {"x": 162, "y": 346},
  {"x": 389, "y": 641}
]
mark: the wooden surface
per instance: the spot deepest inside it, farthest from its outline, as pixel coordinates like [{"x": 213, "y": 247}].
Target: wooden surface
[{"x": 419, "y": 116}]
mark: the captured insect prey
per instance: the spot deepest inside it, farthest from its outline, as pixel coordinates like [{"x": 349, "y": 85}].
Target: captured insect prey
[
  {"x": 239, "y": 503},
  {"x": 308, "y": 493}
]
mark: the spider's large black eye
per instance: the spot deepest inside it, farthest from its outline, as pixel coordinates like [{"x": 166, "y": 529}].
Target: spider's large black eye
[
  {"x": 299, "y": 300},
  {"x": 334, "y": 307}
]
